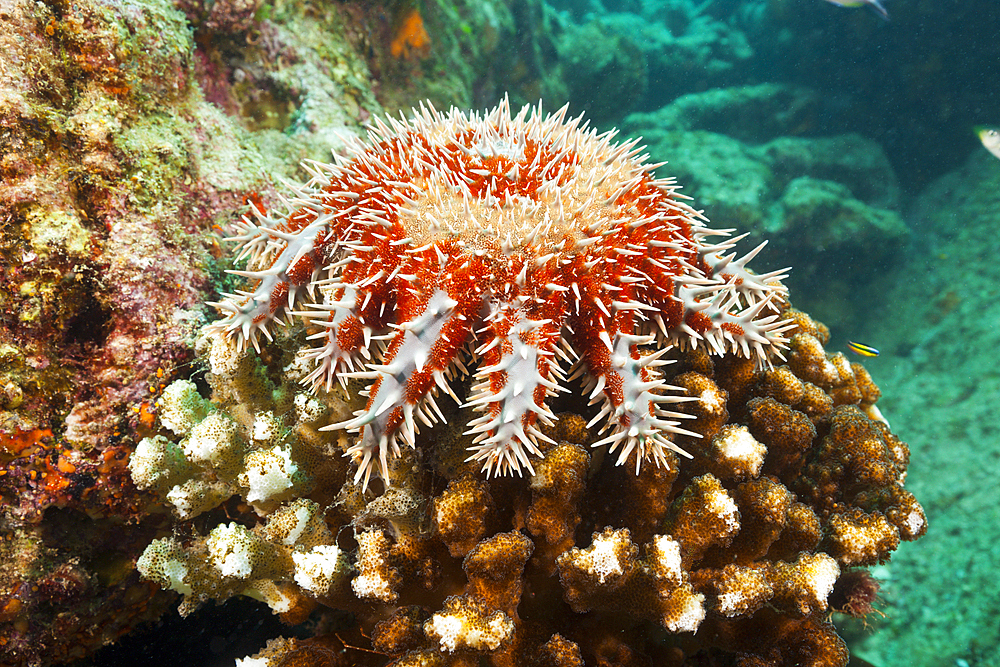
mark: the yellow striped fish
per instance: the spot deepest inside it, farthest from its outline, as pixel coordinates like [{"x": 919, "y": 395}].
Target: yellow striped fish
[{"x": 862, "y": 349}]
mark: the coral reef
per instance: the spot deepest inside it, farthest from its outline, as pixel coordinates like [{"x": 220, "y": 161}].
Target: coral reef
[
  {"x": 794, "y": 481},
  {"x": 129, "y": 130}
]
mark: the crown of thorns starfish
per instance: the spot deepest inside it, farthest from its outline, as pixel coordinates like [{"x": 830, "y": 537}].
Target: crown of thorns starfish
[{"x": 529, "y": 246}]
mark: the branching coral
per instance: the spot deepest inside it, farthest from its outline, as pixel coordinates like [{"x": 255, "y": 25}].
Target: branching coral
[{"x": 742, "y": 546}]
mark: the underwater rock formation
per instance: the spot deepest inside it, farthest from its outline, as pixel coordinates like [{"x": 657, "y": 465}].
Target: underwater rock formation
[
  {"x": 615, "y": 61},
  {"x": 111, "y": 167},
  {"x": 794, "y": 477},
  {"x": 813, "y": 198}
]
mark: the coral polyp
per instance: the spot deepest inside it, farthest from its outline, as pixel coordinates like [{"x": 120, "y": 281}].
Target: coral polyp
[{"x": 528, "y": 246}]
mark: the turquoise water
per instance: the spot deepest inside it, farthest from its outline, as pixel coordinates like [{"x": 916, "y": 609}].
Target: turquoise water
[{"x": 906, "y": 261}]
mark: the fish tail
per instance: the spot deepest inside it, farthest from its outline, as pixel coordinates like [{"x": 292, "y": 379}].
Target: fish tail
[{"x": 880, "y": 9}]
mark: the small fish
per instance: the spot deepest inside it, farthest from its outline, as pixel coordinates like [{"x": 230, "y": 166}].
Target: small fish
[
  {"x": 862, "y": 349},
  {"x": 990, "y": 136},
  {"x": 874, "y": 4}
]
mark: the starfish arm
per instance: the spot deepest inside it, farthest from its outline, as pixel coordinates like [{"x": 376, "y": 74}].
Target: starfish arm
[
  {"x": 712, "y": 314},
  {"x": 746, "y": 332},
  {"x": 344, "y": 337},
  {"x": 518, "y": 372},
  {"x": 751, "y": 287},
  {"x": 251, "y": 240},
  {"x": 249, "y": 313},
  {"x": 631, "y": 391},
  {"x": 404, "y": 385}
]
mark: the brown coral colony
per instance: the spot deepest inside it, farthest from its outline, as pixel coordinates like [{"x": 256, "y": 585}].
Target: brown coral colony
[
  {"x": 749, "y": 546},
  {"x": 736, "y": 553}
]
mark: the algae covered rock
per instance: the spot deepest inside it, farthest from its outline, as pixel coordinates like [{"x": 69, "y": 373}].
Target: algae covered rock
[
  {"x": 826, "y": 204},
  {"x": 605, "y": 73},
  {"x": 750, "y": 114}
]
